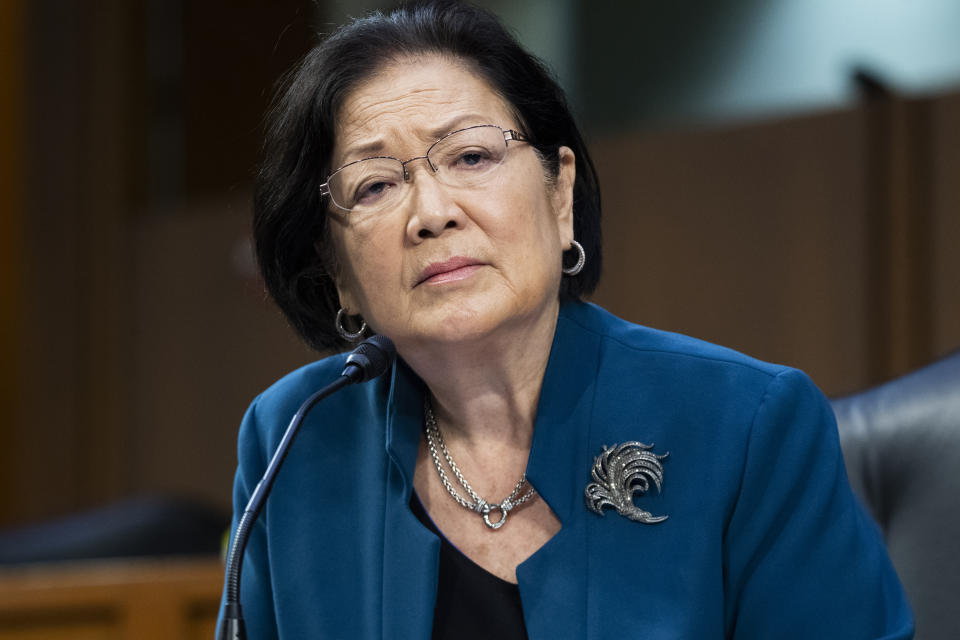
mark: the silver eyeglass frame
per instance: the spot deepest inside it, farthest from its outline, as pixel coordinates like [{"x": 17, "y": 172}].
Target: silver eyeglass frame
[{"x": 508, "y": 135}]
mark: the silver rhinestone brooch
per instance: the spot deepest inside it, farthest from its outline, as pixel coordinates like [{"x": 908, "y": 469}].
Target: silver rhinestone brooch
[{"x": 620, "y": 472}]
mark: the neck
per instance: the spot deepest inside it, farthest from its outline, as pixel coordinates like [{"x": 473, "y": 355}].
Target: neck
[{"x": 486, "y": 391}]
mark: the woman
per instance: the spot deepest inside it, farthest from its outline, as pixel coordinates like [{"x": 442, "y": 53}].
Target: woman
[{"x": 532, "y": 466}]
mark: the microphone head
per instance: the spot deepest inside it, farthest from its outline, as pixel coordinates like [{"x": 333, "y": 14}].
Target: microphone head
[{"x": 370, "y": 359}]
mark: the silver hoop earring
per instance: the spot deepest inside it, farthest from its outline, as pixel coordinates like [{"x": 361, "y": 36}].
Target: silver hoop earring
[
  {"x": 581, "y": 259},
  {"x": 346, "y": 335}
]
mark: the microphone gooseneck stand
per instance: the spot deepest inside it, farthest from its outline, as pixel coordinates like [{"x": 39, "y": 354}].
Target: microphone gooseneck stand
[{"x": 369, "y": 360}]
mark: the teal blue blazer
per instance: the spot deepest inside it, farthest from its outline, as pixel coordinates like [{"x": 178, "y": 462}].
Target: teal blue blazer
[{"x": 764, "y": 538}]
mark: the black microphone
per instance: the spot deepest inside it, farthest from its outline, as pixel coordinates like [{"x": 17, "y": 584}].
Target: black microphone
[{"x": 369, "y": 360}]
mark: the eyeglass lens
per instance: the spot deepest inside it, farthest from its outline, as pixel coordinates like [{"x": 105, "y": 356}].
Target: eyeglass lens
[{"x": 462, "y": 159}]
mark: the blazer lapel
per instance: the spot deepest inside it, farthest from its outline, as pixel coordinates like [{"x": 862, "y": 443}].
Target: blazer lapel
[
  {"x": 410, "y": 552},
  {"x": 553, "y": 581}
]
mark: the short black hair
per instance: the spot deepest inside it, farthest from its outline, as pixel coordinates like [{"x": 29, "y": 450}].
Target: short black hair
[{"x": 289, "y": 221}]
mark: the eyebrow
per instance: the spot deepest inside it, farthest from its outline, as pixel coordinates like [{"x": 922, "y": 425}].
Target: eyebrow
[{"x": 375, "y": 147}]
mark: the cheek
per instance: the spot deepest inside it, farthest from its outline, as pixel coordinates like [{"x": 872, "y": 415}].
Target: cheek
[
  {"x": 370, "y": 265},
  {"x": 538, "y": 230},
  {"x": 345, "y": 269},
  {"x": 531, "y": 241}
]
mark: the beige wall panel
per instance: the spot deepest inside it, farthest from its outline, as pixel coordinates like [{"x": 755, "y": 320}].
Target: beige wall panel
[
  {"x": 207, "y": 342},
  {"x": 751, "y": 237}
]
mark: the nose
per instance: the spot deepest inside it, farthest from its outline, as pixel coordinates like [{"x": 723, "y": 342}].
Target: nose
[{"x": 432, "y": 209}]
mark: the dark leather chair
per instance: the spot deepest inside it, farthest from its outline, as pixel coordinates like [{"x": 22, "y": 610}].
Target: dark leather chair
[
  {"x": 901, "y": 442},
  {"x": 144, "y": 526}
]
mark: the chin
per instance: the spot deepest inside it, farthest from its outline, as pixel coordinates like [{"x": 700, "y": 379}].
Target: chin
[{"x": 467, "y": 323}]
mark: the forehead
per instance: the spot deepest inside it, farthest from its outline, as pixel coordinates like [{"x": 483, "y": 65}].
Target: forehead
[{"x": 410, "y": 103}]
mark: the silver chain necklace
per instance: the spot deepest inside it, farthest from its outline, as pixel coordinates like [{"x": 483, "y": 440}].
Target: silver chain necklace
[{"x": 479, "y": 505}]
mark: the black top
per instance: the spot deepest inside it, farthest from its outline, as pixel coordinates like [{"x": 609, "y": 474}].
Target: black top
[{"x": 472, "y": 603}]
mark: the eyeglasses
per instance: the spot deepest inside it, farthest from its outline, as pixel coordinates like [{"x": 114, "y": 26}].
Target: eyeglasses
[{"x": 463, "y": 158}]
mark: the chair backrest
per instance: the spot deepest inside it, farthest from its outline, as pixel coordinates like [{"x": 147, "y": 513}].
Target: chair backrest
[
  {"x": 901, "y": 443},
  {"x": 135, "y": 527}
]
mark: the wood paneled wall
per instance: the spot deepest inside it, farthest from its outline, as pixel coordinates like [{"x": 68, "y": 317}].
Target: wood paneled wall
[
  {"x": 12, "y": 113},
  {"x": 824, "y": 242},
  {"x": 81, "y": 177},
  {"x": 86, "y": 127},
  {"x": 944, "y": 237},
  {"x": 750, "y": 237},
  {"x": 208, "y": 341},
  {"x": 136, "y": 333}
]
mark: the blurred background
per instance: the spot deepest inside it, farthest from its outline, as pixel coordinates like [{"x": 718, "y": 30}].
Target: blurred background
[{"x": 779, "y": 177}]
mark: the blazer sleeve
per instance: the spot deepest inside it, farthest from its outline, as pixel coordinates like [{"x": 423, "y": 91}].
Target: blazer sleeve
[
  {"x": 802, "y": 559},
  {"x": 256, "y": 594}
]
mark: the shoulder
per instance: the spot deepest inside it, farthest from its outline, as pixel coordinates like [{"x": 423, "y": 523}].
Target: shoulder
[
  {"x": 629, "y": 346},
  {"x": 270, "y": 412},
  {"x": 677, "y": 388},
  {"x": 293, "y": 388}
]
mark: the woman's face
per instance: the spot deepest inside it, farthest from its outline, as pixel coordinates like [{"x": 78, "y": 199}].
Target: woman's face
[{"x": 447, "y": 264}]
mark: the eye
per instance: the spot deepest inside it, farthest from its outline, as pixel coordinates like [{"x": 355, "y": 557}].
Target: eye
[
  {"x": 472, "y": 160},
  {"x": 367, "y": 183},
  {"x": 371, "y": 192}
]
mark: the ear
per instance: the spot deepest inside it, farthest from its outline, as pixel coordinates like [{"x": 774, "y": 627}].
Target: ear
[
  {"x": 347, "y": 301},
  {"x": 563, "y": 194}
]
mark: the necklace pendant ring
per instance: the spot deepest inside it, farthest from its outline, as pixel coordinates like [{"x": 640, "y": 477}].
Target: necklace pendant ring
[{"x": 486, "y": 515}]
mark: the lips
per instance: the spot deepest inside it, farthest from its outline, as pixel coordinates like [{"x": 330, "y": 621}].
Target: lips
[{"x": 449, "y": 270}]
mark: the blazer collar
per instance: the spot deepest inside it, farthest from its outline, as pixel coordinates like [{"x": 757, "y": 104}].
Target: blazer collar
[
  {"x": 564, "y": 414},
  {"x": 411, "y": 553},
  {"x": 404, "y": 422}
]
